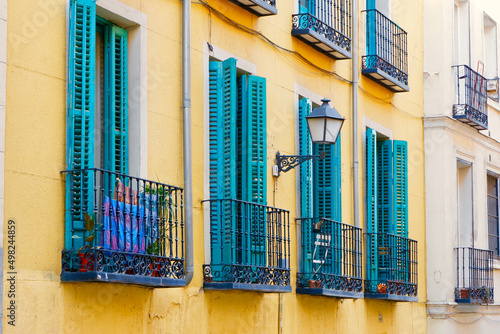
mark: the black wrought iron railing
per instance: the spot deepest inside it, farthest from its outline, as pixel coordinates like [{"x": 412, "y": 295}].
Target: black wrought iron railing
[
  {"x": 474, "y": 275},
  {"x": 249, "y": 246},
  {"x": 471, "y": 97},
  {"x": 391, "y": 265},
  {"x": 331, "y": 256},
  {"x": 387, "y": 51},
  {"x": 325, "y": 25},
  {"x": 258, "y": 7},
  {"x": 122, "y": 228}
]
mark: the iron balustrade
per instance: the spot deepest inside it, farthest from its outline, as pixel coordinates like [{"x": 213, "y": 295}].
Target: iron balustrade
[
  {"x": 474, "y": 275},
  {"x": 387, "y": 52},
  {"x": 258, "y": 7},
  {"x": 249, "y": 246},
  {"x": 391, "y": 266},
  {"x": 326, "y": 26},
  {"x": 121, "y": 228},
  {"x": 331, "y": 256},
  {"x": 471, "y": 98}
]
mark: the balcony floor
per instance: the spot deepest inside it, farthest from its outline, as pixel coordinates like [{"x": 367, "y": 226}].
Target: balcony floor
[
  {"x": 391, "y": 297},
  {"x": 246, "y": 286},
  {"x": 96, "y": 276},
  {"x": 329, "y": 293}
]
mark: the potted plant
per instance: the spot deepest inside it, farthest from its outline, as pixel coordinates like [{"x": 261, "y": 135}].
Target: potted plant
[{"x": 89, "y": 226}]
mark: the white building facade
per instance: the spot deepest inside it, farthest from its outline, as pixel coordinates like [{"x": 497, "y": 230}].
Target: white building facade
[{"x": 462, "y": 163}]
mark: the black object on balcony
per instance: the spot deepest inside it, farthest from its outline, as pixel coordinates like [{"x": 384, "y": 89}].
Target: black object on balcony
[
  {"x": 474, "y": 276},
  {"x": 258, "y": 7},
  {"x": 249, "y": 247},
  {"x": 391, "y": 267},
  {"x": 331, "y": 263},
  {"x": 387, "y": 58},
  {"x": 326, "y": 26},
  {"x": 122, "y": 229},
  {"x": 471, "y": 98}
]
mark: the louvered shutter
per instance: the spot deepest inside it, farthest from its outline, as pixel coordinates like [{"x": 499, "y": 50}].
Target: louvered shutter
[
  {"x": 306, "y": 186},
  {"x": 371, "y": 29},
  {"x": 254, "y": 162},
  {"x": 222, "y": 136},
  {"x": 116, "y": 95},
  {"x": 385, "y": 187},
  {"x": 400, "y": 207},
  {"x": 323, "y": 177},
  {"x": 80, "y": 121},
  {"x": 400, "y": 186},
  {"x": 385, "y": 206},
  {"x": 371, "y": 205},
  {"x": 305, "y": 148}
]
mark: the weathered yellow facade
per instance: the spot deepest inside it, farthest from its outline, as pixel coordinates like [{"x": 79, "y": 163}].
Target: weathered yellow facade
[{"x": 35, "y": 155}]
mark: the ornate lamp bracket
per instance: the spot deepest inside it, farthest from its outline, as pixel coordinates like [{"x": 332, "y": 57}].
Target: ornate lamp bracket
[{"x": 287, "y": 162}]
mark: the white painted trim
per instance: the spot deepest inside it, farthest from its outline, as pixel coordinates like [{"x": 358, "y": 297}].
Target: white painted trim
[
  {"x": 221, "y": 54},
  {"x": 135, "y": 22},
  {"x": 368, "y": 123}
]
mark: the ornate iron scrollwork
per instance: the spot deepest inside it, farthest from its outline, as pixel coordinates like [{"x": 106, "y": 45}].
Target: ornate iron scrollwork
[{"x": 287, "y": 162}]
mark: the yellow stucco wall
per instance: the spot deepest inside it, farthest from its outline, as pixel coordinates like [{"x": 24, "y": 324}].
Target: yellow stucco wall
[{"x": 35, "y": 155}]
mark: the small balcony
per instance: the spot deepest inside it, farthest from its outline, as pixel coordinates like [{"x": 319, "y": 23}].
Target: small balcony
[
  {"x": 331, "y": 263},
  {"x": 474, "y": 276},
  {"x": 391, "y": 267},
  {"x": 249, "y": 247},
  {"x": 471, "y": 98},
  {"x": 326, "y": 26},
  {"x": 122, "y": 229},
  {"x": 386, "y": 61},
  {"x": 258, "y": 7}
]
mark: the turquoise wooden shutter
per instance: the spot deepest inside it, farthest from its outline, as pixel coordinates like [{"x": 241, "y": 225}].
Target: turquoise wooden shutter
[
  {"x": 306, "y": 171},
  {"x": 254, "y": 162},
  {"x": 400, "y": 180},
  {"x": 385, "y": 187},
  {"x": 306, "y": 186},
  {"x": 371, "y": 29},
  {"x": 324, "y": 193},
  {"x": 254, "y": 143},
  {"x": 80, "y": 118},
  {"x": 116, "y": 97},
  {"x": 222, "y": 137},
  {"x": 400, "y": 207},
  {"x": 371, "y": 205}
]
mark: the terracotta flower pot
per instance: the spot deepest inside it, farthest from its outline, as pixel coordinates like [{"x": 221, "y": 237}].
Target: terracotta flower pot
[
  {"x": 314, "y": 284},
  {"x": 83, "y": 262}
]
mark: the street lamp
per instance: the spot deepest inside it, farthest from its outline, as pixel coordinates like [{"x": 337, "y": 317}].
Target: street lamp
[{"x": 324, "y": 125}]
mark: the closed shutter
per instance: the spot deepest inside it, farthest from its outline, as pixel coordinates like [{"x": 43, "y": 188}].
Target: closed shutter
[
  {"x": 254, "y": 161},
  {"x": 80, "y": 118},
  {"x": 116, "y": 95},
  {"x": 222, "y": 133},
  {"x": 371, "y": 205}
]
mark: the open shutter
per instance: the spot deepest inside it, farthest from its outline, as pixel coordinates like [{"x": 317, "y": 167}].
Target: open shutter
[
  {"x": 254, "y": 145},
  {"x": 222, "y": 136},
  {"x": 385, "y": 187},
  {"x": 371, "y": 205},
  {"x": 371, "y": 29},
  {"x": 254, "y": 161},
  {"x": 80, "y": 118},
  {"x": 305, "y": 148},
  {"x": 116, "y": 106},
  {"x": 306, "y": 186},
  {"x": 400, "y": 188}
]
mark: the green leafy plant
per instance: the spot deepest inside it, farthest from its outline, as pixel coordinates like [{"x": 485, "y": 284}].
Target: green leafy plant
[{"x": 165, "y": 212}]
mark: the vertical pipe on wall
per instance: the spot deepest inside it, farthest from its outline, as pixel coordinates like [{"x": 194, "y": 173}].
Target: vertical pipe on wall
[
  {"x": 355, "y": 161},
  {"x": 186, "y": 107}
]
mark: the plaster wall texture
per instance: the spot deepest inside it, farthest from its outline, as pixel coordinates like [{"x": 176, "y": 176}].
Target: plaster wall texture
[{"x": 35, "y": 187}]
